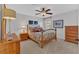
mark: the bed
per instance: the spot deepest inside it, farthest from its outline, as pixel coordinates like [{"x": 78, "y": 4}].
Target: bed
[{"x": 40, "y": 36}]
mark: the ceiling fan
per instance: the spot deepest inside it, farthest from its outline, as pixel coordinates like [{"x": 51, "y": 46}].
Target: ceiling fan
[{"x": 44, "y": 12}]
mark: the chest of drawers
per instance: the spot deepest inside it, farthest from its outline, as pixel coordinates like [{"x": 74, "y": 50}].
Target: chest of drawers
[{"x": 71, "y": 34}]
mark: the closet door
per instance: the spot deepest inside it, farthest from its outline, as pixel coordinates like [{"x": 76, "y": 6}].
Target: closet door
[{"x": 47, "y": 22}]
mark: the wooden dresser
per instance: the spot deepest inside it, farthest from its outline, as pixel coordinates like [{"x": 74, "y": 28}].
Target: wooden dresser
[
  {"x": 10, "y": 47},
  {"x": 71, "y": 34}
]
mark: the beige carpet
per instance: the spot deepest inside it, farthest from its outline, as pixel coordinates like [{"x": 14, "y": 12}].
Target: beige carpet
[{"x": 54, "y": 47}]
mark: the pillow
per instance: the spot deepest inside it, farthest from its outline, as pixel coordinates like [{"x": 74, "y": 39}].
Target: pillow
[{"x": 36, "y": 29}]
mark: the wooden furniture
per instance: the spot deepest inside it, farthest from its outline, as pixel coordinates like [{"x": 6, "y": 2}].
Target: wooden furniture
[
  {"x": 71, "y": 34},
  {"x": 47, "y": 36},
  {"x": 43, "y": 37},
  {"x": 10, "y": 47},
  {"x": 24, "y": 36},
  {"x": 3, "y": 27}
]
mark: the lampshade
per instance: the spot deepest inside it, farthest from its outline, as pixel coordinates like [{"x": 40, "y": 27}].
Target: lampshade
[{"x": 9, "y": 13}]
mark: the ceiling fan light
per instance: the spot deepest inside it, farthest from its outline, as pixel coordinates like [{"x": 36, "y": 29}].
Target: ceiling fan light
[{"x": 43, "y": 14}]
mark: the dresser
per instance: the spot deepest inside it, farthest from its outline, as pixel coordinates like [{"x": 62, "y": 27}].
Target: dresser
[
  {"x": 10, "y": 47},
  {"x": 71, "y": 34}
]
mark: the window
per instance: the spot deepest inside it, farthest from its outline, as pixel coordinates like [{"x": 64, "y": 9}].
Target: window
[
  {"x": 35, "y": 22},
  {"x": 30, "y": 22}
]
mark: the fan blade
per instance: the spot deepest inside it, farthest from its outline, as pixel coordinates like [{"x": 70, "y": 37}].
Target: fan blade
[
  {"x": 37, "y": 13},
  {"x": 47, "y": 10},
  {"x": 38, "y": 10},
  {"x": 49, "y": 13},
  {"x": 43, "y": 9}
]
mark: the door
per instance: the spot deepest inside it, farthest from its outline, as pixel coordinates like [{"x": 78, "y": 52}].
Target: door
[{"x": 47, "y": 22}]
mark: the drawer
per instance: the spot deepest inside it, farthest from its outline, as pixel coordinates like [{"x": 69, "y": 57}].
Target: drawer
[
  {"x": 73, "y": 32},
  {"x": 1, "y": 46},
  {"x": 1, "y": 49},
  {"x": 16, "y": 48},
  {"x": 4, "y": 51},
  {"x": 71, "y": 35},
  {"x": 72, "y": 38},
  {"x": 24, "y": 35},
  {"x": 72, "y": 28},
  {"x": 72, "y": 41}
]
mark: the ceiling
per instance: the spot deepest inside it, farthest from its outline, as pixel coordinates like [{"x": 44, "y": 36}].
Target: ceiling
[{"x": 29, "y": 9}]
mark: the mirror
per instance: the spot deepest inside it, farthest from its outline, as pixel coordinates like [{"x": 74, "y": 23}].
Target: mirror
[{"x": 2, "y": 24}]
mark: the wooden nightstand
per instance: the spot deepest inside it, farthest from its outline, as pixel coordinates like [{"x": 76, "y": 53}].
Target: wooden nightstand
[{"x": 24, "y": 36}]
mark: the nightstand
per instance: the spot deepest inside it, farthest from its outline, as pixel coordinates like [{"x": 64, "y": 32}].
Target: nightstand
[{"x": 24, "y": 36}]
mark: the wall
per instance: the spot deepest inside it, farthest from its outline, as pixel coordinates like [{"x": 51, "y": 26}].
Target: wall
[
  {"x": 78, "y": 23},
  {"x": 16, "y": 24},
  {"x": 70, "y": 18},
  {"x": 0, "y": 20},
  {"x": 21, "y": 20},
  {"x": 78, "y": 17}
]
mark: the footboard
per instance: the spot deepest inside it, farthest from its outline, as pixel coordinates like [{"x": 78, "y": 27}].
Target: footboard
[{"x": 47, "y": 36}]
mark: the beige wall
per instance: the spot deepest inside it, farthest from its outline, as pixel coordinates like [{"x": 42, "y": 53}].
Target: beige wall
[
  {"x": 70, "y": 19},
  {"x": 0, "y": 19}
]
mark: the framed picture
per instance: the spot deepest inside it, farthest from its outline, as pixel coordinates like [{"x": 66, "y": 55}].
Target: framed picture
[
  {"x": 58, "y": 23},
  {"x": 35, "y": 22}
]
